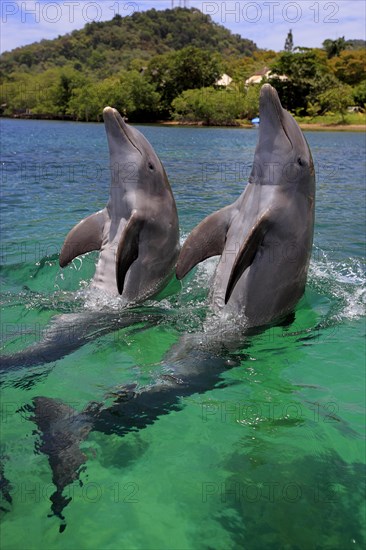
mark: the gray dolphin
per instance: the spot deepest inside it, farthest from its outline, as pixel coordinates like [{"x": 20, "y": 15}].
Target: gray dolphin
[
  {"x": 265, "y": 237},
  {"x": 193, "y": 365},
  {"x": 137, "y": 233}
]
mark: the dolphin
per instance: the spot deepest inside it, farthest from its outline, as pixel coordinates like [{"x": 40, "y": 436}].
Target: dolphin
[
  {"x": 193, "y": 365},
  {"x": 271, "y": 221},
  {"x": 137, "y": 234},
  {"x": 68, "y": 332},
  {"x": 265, "y": 237}
]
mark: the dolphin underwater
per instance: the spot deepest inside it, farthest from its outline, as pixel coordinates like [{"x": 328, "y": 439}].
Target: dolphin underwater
[
  {"x": 265, "y": 237},
  {"x": 137, "y": 234},
  {"x": 193, "y": 365},
  {"x": 263, "y": 281}
]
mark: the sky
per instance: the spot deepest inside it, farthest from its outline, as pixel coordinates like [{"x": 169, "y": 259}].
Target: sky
[{"x": 266, "y": 22}]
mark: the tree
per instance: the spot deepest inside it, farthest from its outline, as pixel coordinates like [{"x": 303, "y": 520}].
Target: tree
[
  {"x": 20, "y": 92},
  {"x": 85, "y": 103},
  {"x": 208, "y": 105},
  {"x": 334, "y": 47},
  {"x": 187, "y": 69},
  {"x": 129, "y": 92},
  {"x": 212, "y": 106},
  {"x": 304, "y": 70},
  {"x": 241, "y": 68},
  {"x": 144, "y": 100},
  {"x": 336, "y": 100},
  {"x": 359, "y": 94},
  {"x": 349, "y": 67},
  {"x": 67, "y": 80},
  {"x": 252, "y": 101},
  {"x": 289, "y": 44}
]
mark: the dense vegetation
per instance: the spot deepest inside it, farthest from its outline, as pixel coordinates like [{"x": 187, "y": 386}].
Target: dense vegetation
[
  {"x": 107, "y": 47},
  {"x": 157, "y": 65}
]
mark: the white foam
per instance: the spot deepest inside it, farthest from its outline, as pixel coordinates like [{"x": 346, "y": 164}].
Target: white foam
[
  {"x": 344, "y": 281},
  {"x": 98, "y": 300}
]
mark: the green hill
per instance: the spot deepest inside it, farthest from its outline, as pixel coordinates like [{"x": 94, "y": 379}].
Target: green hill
[
  {"x": 107, "y": 47},
  {"x": 158, "y": 65}
]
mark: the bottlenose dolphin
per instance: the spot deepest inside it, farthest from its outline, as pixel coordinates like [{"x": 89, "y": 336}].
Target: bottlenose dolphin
[
  {"x": 193, "y": 365},
  {"x": 137, "y": 234},
  {"x": 271, "y": 221},
  {"x": 265, "y": 237}
]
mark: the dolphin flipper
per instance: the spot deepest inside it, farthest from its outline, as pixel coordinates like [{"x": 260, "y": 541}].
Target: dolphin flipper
[
  {"x": 247, "y": 252},
  {"x": 86, "y": 236},
  {"x": 128, "y": 248},
  {"x": 206, "y": 240}
]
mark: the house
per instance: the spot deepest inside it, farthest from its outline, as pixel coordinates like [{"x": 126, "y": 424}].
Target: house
[
  {"x": 257, "y": 77},
  {"x": 224, "y": 81}
]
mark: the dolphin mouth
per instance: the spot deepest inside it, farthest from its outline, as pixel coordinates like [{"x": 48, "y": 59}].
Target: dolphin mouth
[
  {"x": 270, "y": 108},
  {"x": 113, "y": 119}
]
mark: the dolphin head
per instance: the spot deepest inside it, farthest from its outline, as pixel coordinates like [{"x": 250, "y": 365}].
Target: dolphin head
[
  {"x": 134, "y": 163},
  {"x": 282, "y": 156}
]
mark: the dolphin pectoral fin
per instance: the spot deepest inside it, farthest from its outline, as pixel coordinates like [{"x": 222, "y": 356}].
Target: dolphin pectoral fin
[
  {"x": 206, "y": 240},
  {"x": 128, "y": 248},
  {"x": 247, "y": 252},
  {"x": 86, "y": 236}
]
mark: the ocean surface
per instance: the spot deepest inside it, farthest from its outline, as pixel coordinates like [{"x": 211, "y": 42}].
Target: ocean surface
[{"x": 274, "y": 456}]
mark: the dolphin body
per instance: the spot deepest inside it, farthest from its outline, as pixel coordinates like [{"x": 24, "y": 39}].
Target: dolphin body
[
  {"x": 193, "y": 365},
  {"x": 137, "y": 234},
  {"x": 262, "y": 280},
  {"x": 265, "y": 237}
]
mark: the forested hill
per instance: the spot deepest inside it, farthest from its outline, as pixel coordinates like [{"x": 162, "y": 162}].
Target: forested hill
[
  {"x": 161, "y": 65},
  {"x": 117, "y": 42}
]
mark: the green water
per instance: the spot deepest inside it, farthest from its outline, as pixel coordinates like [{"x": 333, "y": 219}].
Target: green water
[{"x": 275, "y": 458}]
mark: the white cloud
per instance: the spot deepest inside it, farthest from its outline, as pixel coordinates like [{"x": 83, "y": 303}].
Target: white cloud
[{"x": 264, "y": 22}]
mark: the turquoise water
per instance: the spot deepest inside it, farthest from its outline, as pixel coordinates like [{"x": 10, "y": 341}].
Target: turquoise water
[{"x": 272, "y": 458}]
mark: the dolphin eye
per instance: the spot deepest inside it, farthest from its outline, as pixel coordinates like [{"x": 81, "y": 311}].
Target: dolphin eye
[
  {"x": 151, "y": 166},
  {"x": 300, "y": 162}
]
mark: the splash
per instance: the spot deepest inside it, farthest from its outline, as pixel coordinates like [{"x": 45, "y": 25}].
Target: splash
[{"x": 344, "y": 282}]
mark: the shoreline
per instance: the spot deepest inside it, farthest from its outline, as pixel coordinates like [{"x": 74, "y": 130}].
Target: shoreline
[
  {"x": 304, "y": 126},
  {"x": 317, "y": 126},
  {"x": 333, "y": 127}
]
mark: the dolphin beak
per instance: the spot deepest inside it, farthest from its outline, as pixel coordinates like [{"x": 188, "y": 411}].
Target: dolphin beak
[
  {"x": 272, "y": 115},
  {"x": 118, "y": 132},
  {"x": 269, "y": 102}
]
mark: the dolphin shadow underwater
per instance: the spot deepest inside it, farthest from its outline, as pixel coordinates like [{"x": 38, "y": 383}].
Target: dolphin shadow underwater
[
  {"x": 137, "y": 236},
  {"x": 271, "y": 228}
]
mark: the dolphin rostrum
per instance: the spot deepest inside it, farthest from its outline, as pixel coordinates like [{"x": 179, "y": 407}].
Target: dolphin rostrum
[
  {"x": 272, "y": 226},
  {"x": 265, "y": 237},
  {"x": 137, "y": 234}
]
